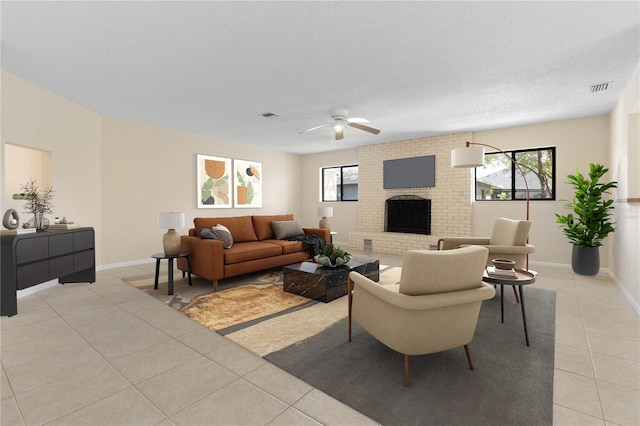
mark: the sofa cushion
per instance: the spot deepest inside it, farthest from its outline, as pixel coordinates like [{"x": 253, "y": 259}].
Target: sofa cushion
[
  {"x": 285, "y": 229},
  {"x": 222, "y": 232},
  {"x": 262, "y": 225},
  {"x": 287, "y": 246},
  {"x": 241, "y": 227},
  {"x": 243, "y": 252},
  {"x": 207, "y": 233}
]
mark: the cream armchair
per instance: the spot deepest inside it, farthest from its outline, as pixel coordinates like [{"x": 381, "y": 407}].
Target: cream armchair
[
  {"x": 508, "y": 240},
  {"x": 435, "y": 308}
]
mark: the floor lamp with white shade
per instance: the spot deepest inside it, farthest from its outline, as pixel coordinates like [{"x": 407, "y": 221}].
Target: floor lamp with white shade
[{"x": 473, "y": 156}]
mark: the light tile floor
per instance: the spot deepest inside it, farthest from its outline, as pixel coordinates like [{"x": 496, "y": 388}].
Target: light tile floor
[{"x": 108, "y": 354}]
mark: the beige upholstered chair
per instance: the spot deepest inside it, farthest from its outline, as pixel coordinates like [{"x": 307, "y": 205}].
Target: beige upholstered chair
[
  {"x": 508, "y": 240},
  {"x": 435, "y": 308}
]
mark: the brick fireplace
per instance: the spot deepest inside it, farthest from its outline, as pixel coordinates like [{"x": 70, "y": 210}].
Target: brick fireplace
[{"x": 451, "y": 213}]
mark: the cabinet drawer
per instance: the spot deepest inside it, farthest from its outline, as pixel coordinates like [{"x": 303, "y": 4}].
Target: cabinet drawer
[
  {"x": 30, "y": 249},
  {"x": 60, "y": 266},
  {"x": 84, "y": 260},
  {"x": 32, "y": 274},
  {"x": 60, "y": 244},
  {"x": 83, "y": 240}
]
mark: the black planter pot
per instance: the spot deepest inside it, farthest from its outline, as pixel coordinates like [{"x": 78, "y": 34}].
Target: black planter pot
[{"x": 585, "y": 260}]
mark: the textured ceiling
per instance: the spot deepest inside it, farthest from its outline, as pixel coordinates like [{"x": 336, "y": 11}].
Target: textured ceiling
[{"x": 413, "y": 69}]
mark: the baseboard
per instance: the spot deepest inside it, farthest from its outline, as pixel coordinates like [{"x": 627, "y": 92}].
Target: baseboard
[
  {"x": 123, "y": 264},
  {"x": 627, "y": 295}
]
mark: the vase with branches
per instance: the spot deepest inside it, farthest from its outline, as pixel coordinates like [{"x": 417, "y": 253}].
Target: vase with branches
[{"x": 38, "y": 202}]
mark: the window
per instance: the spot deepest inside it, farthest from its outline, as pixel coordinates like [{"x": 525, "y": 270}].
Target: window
[
  {"x": 340, "y": 183},
  {"x": 500, "y": 180}
]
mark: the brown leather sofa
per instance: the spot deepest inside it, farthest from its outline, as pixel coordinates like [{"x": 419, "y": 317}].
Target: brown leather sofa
[{"x": 255, "y": 247}]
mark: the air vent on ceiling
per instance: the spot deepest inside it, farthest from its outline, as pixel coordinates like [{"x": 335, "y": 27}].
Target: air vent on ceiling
[
  {"x": 599, "y": 87},
  {"x": 269, "y": 115}
]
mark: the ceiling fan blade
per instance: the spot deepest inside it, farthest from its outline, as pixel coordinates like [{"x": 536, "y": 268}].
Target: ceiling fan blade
[
  {"x": 314, "y": 128},
  {"x": 339, "y": 134},
  {"x": 365, "y": 128},
  {"x": 357, "y": 120}
]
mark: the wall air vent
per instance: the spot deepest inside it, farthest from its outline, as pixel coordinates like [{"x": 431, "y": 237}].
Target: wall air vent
[
  {"x": 269, "y": 115},
  {"x": 599, "y": 87}
]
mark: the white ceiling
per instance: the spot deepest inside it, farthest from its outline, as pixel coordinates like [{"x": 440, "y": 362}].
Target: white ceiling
[{"x": 413, "y": 69}]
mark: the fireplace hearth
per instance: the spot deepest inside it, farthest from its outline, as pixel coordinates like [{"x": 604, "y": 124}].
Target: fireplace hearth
[{"x": 408, "y": 214}]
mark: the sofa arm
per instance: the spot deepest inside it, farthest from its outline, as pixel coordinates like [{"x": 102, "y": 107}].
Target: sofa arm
[
  {"x": 207, "y": 257},
  {"x": 320, "y": 232}
]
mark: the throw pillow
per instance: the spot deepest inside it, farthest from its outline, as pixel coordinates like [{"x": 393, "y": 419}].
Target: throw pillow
[
  {"x": 223, "y": 233},
  {"x": 207, "y": 233},
  {"x": 286, "y": 229}
]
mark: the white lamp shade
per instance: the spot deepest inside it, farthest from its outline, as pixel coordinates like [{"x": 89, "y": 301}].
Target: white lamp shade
[
  {"x": 472, "y": 156},
  {"x": 171, "y": 220},
  {"x": 324, "y": 212}
]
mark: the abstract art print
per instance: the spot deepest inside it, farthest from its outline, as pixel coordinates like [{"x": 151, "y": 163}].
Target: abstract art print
[
  {"x": 214, "y": 182},
  {"x": 248, "y": 183}
]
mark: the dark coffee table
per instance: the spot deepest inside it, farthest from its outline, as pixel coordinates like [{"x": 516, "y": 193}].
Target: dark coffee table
[{"x": 324, "y": 283}]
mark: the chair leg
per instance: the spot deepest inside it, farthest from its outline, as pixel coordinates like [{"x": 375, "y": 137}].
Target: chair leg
[
  {"x": 406, "y": 371},
  {"x": 468, "y": 352},
  {"x": 516, "y": 294}
]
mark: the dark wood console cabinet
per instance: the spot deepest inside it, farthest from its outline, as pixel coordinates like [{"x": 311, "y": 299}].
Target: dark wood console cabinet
[{"x": 30, "y": 259}]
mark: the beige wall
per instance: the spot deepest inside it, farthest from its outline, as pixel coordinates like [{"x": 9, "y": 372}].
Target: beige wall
[
  {"x": 345, "y": 214},
  {"x": 578, "y": 142},
  {"x": 625, "y": 154},
  {"x": 35, "y": 118},
  {"x": 116, "y": 175},
  {"x": 147, "y": 170}
]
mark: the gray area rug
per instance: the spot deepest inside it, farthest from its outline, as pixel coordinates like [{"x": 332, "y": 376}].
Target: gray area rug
[{"x": 512, "y": 384}]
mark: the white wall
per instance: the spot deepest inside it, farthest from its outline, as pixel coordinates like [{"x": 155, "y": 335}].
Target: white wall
[{"x": 625, "y": 155}]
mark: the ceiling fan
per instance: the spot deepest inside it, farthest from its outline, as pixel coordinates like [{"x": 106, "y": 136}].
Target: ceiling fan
[{"x": 341, "y": 121}]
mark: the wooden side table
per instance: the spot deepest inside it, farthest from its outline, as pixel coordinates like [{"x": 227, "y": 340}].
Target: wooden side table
[
  {"x": 522, "y": 278},
  {"x": 159, "y": 256}
]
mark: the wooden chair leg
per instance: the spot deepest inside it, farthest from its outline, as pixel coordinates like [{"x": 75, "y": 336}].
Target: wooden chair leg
[
  {"x": 215, "y": 285},
  {"x": 515, "y": 292},
  {"x": 468, "y": 352},
  {"x": 406, "y": 371}
]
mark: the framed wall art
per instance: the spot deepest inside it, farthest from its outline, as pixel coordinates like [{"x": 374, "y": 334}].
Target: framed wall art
[
  {"x": 247, "y": 183},
  {"x": 214, "y": 182}
]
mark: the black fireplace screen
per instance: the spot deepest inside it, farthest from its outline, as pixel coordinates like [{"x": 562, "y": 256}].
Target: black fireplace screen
[{"x": 409, "y": 214}]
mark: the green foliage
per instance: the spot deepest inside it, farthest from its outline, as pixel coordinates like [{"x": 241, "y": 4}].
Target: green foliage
[
  {"x": 333, "y": 252},
  {"x": 592, "y": 221}
]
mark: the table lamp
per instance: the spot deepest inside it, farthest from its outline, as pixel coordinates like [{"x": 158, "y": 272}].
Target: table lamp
[
  {"x": 324, "y": 213},
  {"x": 171, "y": 240}
]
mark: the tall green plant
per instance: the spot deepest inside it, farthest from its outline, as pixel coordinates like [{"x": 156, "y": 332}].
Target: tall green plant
[{"x": 593, "y": 214}]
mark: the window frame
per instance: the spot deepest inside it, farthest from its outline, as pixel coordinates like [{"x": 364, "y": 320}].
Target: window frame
[
  {"x": 515, "y": 172},
  {"x": 340, "y": 195}
]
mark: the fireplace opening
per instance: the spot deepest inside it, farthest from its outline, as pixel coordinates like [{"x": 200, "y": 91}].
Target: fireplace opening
[{"x": 409, "y": 214}]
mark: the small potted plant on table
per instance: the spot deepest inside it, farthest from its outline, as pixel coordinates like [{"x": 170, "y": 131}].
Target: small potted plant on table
[{"x": 332, "y": 256}]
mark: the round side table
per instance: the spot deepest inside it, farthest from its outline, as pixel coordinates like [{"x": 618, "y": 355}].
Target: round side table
[
  {"x": 159, "y": 256},
  {"x": 522, "y": 278}
]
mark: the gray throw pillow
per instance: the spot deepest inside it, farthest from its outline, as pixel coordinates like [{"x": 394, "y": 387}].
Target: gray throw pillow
[
  {"x": 286, "y": 229},
  {"x": 207, "y": 233},
  {"x": 224, "y": 234}
]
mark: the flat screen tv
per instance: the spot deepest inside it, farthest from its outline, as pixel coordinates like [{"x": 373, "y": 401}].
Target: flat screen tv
[{"x": 414, "y": 172}]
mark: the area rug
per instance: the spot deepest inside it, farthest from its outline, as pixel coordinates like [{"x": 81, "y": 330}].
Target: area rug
[
  {"x": 511, "y": 384},
  {"x": 241, "y": 305},
  {"x": 278, "y": 332}
]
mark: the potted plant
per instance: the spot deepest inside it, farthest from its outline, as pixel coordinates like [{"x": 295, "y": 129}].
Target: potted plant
[
  {"x": 38, "y": 202},
  {"x": 332, "y": 256},
  {"x": 590, "y": 221}
]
